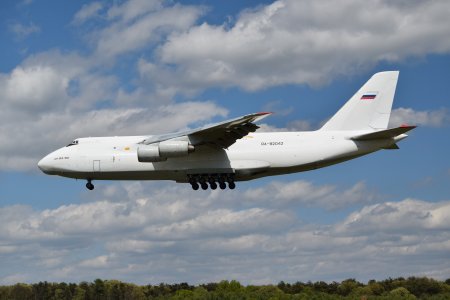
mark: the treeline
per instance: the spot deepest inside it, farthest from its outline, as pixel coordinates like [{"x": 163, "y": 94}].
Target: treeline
[{"x": 399, "y": 288}]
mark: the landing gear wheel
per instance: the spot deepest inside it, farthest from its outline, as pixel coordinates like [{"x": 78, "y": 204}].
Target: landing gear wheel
[
  {"x": 212, "y": 181},
  {"x": 89, "y": 185},
  {"x": 213, "y": 185},
  {"x": 195, "y": 186}
]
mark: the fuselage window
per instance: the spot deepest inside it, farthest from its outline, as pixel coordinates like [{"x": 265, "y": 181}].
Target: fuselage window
[{"x": 73, "y": 143}]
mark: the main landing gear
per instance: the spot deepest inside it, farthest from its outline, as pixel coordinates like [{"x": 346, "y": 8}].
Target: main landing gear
[
  {"x": 212, "y": 180},
  {"x": 89, "y": 185}
]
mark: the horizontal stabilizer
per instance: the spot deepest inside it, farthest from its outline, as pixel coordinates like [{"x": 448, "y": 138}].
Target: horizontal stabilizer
[{"x": 383, "y": 134}]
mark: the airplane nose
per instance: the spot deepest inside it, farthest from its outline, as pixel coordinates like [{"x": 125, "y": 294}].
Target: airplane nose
[{"x": 45, "y": 165}]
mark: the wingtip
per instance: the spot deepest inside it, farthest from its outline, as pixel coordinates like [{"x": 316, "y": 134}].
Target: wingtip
[
  {"x": 408, "y": 126},
  {"x": 263, "y": 113}
]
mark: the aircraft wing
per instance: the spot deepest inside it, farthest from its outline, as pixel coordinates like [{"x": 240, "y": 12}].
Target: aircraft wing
[{"x": 223, "y": 134}]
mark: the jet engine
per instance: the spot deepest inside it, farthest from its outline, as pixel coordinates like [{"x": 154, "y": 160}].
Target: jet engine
[{"x": 163, "y": 151}]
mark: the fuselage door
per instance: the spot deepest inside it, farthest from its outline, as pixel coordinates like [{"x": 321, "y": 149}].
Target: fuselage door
[{"x": 96, "y": 165}]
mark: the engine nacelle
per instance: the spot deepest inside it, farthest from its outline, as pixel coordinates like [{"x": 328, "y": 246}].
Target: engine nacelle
[{"x": 163, "y": 151}]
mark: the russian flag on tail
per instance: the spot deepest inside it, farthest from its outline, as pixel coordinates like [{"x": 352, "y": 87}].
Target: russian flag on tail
[{"x": 369, "y": 96}]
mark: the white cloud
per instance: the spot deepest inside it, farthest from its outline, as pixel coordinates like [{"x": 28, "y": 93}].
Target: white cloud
[
  {"x": 87, "y": 12},
  {"x": 139, "y": 24},
  {"x": 43, "y": 82},
  {"x": 13, "y": 279},
  {"x": 33, "y": 88},
  {"x": 206, "y": 236},
  {"x": 297, "y": 125},
  {"x": 431, "y": 118},
  {"x": 223, "y": 222},
  {"x": 23, "y": 31},
  {"x": 300, "y": 125},
  {"x": 134, "y": 8},
  {"x": 278, "y": 107},
  {"x": 302, "y": 192},
  {"x": 101, "y": 261},
  {"x": 406, "y": 217},
  {"x": 54, "y": 96},
  {"x": 297, "y": 42}
]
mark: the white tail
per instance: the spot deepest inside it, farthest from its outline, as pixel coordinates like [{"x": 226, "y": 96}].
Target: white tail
[{"x": 370, "y": 107}]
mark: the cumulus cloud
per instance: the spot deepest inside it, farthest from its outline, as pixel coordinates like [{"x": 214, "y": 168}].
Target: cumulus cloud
[
  {"x": 404, "y": 217},
  {"x": 82, "y": 95},
  {"x": 33, "y": 88},
  {"x": 138, "y": 24},
  {"x": 431, "y": 118},
  {"x": 205, "y": 236},
  {"x": 302, "y": 192},
  {"x": 303, "y": 42}
]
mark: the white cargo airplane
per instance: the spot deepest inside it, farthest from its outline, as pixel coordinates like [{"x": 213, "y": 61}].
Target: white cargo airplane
[{"x": 230, "y": 151}]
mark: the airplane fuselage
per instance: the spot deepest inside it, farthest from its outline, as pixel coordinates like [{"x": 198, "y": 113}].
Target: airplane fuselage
[{"x": 256, "y": 155}]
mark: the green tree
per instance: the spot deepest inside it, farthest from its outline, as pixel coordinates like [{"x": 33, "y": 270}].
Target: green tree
[
  {"x": 113, "y": 289},
  {"x": 347, "y": 286},
  {"x": 42, "y": 290},
  {"x": 5, "y": 292},
  {"x": 267, "y": 292},
  {"x": 62, "y": 291},
  {"x": 423, "y": 286},
  {"x": 401, "y": 293},
  {"x": 134, "y": 292},
  {"x": 229, "y": 290},
  {"x": 376, "y": 288},
  {"x": 88, "y": 290},
  {"x": 79, "y": 294},
  {"x": 99, "y": 290},
  {"x": 21, "y": 291},
  {"x": 59, "y": 295},
  {"x": 183, "y": 295},
  {"x": 199, "y": 293},
  {"x": 210, "y": 287},
  {"x": 297, "y": 287}
]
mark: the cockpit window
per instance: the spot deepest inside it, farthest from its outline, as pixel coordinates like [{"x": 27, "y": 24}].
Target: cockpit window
[{"x": 75, "y": 142}]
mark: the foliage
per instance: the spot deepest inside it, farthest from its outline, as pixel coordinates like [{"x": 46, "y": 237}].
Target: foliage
[{"x": 398, "y": 288}]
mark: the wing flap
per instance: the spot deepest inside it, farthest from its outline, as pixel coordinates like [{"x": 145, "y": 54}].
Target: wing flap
[{"x": 392, "y": 147}]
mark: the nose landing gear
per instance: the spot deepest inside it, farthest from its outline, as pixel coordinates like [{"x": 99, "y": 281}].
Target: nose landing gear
[{"x": 89, "y": 185}]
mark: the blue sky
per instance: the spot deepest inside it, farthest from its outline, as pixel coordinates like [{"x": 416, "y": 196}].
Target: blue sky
[{"x": 144, "y": 67}]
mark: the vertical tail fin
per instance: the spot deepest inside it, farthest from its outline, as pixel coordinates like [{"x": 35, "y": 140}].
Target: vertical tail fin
[{"x": 370, "y": 107}]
